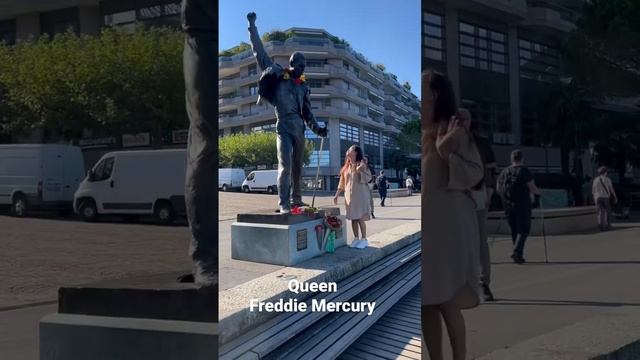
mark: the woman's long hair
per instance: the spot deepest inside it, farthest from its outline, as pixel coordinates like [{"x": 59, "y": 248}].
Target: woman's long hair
[
  {"x": 359, "y": 157},
  {"x": 445, "y": 106}
]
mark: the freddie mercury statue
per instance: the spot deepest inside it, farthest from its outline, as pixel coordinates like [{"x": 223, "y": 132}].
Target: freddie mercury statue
[{"x": 287, "y": 91}]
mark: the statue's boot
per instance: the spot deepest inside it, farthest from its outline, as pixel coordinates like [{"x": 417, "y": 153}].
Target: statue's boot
[{"x": 298, "y": 203}]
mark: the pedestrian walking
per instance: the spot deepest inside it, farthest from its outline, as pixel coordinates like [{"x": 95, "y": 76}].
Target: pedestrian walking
[
  {"x": 451, "y": 165},
  {"x": 370, "y": 184},
  {"x": 410, "y": 185},
  {"x": 383, "y": 185},
  {"x": 604, "y": 195},
  {"x": 515, "y": 186},
  {"x": 481, "y": 195},
  {"x": 354, "y": 177}
]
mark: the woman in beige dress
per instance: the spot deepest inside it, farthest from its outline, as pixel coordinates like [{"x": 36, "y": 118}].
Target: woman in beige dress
[
  {"x": 354, "y": 179},
  {"x": 450, "y": 252}
]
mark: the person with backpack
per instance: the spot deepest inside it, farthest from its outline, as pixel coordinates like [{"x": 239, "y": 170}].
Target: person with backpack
[
  {"x": 603, "y": 195},
  {"x": 515, "y": 186},
  {"x": 382, "y": 184}
]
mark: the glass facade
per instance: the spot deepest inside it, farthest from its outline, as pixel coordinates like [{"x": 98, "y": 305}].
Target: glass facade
[
  {"x": 433, "y": 45},
  {"x": 538, "y": 61},
  {"x": 8, "y": 32},
  {"x": 482, "y": 48},
  {"x": 59, "y": 21},
  {"x": 156, "y": 15}
]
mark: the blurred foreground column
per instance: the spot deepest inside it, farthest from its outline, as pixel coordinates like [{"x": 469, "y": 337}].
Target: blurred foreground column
[{"x": 201, "y": 192}]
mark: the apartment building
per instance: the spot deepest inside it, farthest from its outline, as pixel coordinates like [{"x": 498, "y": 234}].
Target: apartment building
[
  {"x": 359, "y": 101},
  {"x": 502, "y": 57}
]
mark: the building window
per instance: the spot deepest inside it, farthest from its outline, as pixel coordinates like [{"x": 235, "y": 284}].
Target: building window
[
  {"x": 264, "y": 127},
  {"x": 482, "y": 48},
  {"x": 253, "y": 90},
  {"x": 349, "y": 132},
  {"x": 8, "y": 32},
  {"x": 492, "y": 119},
  {"x": 315, "y": 83},
  {"x": 538, "y": 61},
  {"x": 433, "y": 36},
  {"x": 252, "y": 70},
  {"x": 310, "y": 134},
  {"x": 371, "y": 137},
  {"x": 388, "y": 142},
  {"x": 316, "y": 63},
  {"x": 60, "y": 21},
  {"x": 157, "y": 15},
  {"x": 319, "y": 158}
]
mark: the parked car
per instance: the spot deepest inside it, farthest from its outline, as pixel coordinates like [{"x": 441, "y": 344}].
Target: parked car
[
  {"x": 39, "y": 176},
  {"x": 261, "y": 180},
  {"x": 143, "y": 182},
  {"x": 230, "y": 178}
]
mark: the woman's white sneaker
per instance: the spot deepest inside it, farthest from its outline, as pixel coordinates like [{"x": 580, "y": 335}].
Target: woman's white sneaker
[
  {"x": 354, "y": 243},
  {"x": 362, "y": 244}
]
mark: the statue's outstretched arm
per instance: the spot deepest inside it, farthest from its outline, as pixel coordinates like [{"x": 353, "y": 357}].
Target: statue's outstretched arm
[{"x": 263, "y": 59}]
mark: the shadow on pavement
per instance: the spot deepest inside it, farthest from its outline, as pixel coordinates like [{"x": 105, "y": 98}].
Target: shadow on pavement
[
  {"x": 597, "y": 262},
  {"x": 536, "y": 302}
]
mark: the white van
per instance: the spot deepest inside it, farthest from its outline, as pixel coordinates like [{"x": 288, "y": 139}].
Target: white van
[
  {"x": 261, "y": 180},
  {"x": 39, "y": 176},
  {"x": 229, "y": 178},
  {"x": 143, "y": 182}
]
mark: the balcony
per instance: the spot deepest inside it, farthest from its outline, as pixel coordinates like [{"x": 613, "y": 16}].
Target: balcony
[
  {"x": 509, "y": 10},
  {"x": 391, "y": 129},
  {"x": 349, "y": 114},
  {"x": 246, "y": 119},
  {"x": 238, "y": 81},
  {"x": 549, "y": 19},
  {"x": 226, "y": 104}
]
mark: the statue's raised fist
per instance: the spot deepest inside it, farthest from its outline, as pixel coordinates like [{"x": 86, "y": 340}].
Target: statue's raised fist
[{"x": 251, "y": 17}]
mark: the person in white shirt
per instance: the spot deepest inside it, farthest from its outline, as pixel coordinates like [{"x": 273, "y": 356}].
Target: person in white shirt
[
  {"x": 603, "y": 194},
  {"x": 409, "y": 184}
]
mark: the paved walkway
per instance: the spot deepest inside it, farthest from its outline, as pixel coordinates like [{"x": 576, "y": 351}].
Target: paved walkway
[{"x": 587, "y": 275}]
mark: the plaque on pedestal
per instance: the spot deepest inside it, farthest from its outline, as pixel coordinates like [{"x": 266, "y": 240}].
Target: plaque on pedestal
[{"x": 281, "y": 239}]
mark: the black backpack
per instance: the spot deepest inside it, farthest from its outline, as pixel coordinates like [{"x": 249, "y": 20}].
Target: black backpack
[{"x": 506, "y": 185}]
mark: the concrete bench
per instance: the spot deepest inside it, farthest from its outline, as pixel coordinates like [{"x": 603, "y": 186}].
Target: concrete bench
[{"x": 569, "y": 220}]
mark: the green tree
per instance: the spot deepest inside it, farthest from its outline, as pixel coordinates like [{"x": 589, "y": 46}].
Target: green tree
[
  {"x": 619, "y": 143},
  {"x": 409, "y": 146},
  {"x": 258, "y": 148},
  {"x": 409, "y": 138},
  {"x": 117, "y": 81},
  {"x": 568, "y": 121},
  {"x": 277, "y": 35},
  {"x": 603, "y": 52},
  {"x": 235, "y": 50},
  {"x": 407, "y": 86}
]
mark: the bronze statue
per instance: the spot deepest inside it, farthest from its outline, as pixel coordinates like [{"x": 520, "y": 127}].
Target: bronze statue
[{"x": 289, "y": 94}]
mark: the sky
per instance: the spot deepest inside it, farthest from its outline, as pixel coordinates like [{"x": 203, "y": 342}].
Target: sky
[{"x": 384, "y": 31}]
